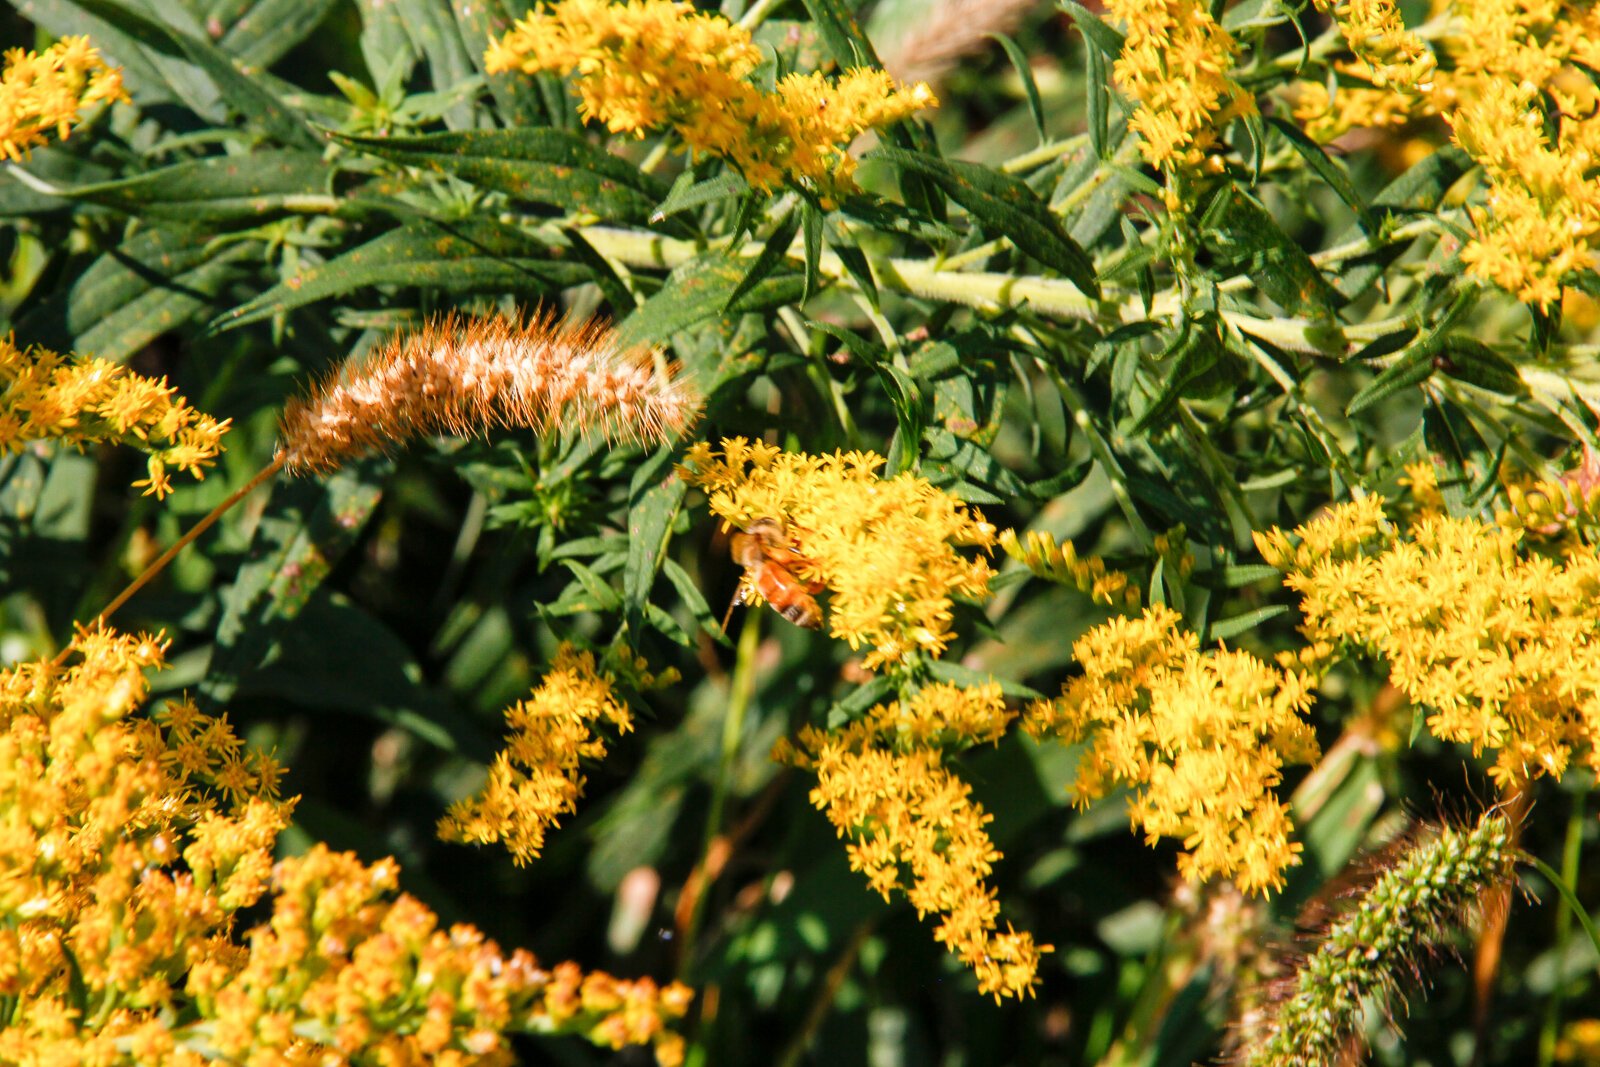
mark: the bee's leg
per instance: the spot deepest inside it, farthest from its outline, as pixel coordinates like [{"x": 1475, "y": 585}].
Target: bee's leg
[{"x": 739, "y": 597}]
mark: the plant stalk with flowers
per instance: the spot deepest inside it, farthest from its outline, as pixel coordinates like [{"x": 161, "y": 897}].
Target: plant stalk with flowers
[{"x": 515, "y": 340}]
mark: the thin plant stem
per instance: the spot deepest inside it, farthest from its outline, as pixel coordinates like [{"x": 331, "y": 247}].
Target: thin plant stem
[
  {"x": 827, "y": 993},
  {"x": 161, "y": 561},
  {"x": 757, "y": 14},
  {"x": 740, "y": 690},
  {"x": 1571, "y": 852}
]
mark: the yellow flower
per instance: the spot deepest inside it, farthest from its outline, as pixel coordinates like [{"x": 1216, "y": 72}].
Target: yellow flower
[
  {"x": 1176, "y": 64},
  {"x": 884, "y": 547},
  {"x": 49, "y": 90},
  {"x": 82, "y": 400},
  {"x": 1520, "y": 102},
  {"x": 653, "y": 64},
  {"x": 883, "y": 782},
  {"x": 1201, "y": 737},
  {"x": 123, "y": 871},
  {"x": 537, "y": 778},
  {"x": 1497, "y": 643}
]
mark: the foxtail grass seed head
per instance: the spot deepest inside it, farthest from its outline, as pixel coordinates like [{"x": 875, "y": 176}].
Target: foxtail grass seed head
[
  {"x": 464, "y": 376},
  {"x": 1423, "y": 895}
]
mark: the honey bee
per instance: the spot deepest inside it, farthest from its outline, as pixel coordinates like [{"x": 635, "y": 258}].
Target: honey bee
[{"x": 764, "y": 551}]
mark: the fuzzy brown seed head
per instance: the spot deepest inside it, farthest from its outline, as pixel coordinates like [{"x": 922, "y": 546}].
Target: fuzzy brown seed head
[{"x": 465, "y": 376}]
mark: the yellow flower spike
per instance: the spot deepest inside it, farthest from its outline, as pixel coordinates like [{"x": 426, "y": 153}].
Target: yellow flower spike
[
  {"x": 1201, "y": 737},
  {"x": 48, "y": 91},
  {"x": 83, "y": 400},
  {"x": 886, "y": 548},
  {"x": 913, "y": 827},
  {"x": 1176, "y": 65},
  {"x": 537, "y": 778},
  {"x": 658, "y": 64}
]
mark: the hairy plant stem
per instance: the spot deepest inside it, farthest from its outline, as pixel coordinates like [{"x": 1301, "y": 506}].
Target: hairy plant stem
[
  {"x": 998, "y": 292},
  {"x": 159, "y": 564}
]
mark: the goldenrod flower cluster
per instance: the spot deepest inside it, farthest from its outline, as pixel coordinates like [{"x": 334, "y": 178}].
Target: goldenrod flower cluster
[
  {"x": 654, "y": 64},
  {"x": 1201, "y": 737},
  {"x": 1513, "y": 86},
  {"x": 49, "y": 90},
  {"x": 884, "y": 547},
  {"x": 465, "y": 375},
  {"x": 1392, "y": 69},
  {"x": 130, "y": 844},
  {"x": 1386, "y": 53},
  {"x": 1501, "y": 646},
  {"x": 81, "y": 400},
  {"x": 536, "y": 778},
  {"x": 884, "y": 783},
  {"x": 1176, "y": 64}
]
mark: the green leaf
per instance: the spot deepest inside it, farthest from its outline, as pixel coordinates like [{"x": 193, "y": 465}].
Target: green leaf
[
  {"x": 1097, "y": 93},
  {"x": 699, "y": 290},
  {"x": 811, "y": 216},
  {"x": 842, "y": 34},
  {"x": 271, "y": 27},
  {"x": 1097, "y": 33},
  {"x": 1245, "y": 238},
  {"x": 1469, "y": 360},
  {"x": 1328, "y": 170},
  {"x": 597, "y": 592},
  {"x": 1228, "y": 629},
  {"x": 217, "y": 188},
  {"x": 773, "y": 253},
  {"x": 1008, "y": 207},
  {"x": 307, "y": 528},
  {"x": 1415, "y": 364},
  {"x": 516, "y": 97},
  {"x": 538, "y": 164},
  {"x": 1413, "y": 368},
  {"x": 247, "y": 95},
  {"x": 463, "y": 257},
  {"x": 1030, "y": 90},
  {"x": 654, "y": 499},
  {"x": 1418, "y": 190},
  {"x": 431, "y": 25},
  {"x": 855, "y": 262},
  {"x": 152, "y": 282},
  {"x": 687, "y": 193},
  {"x": 903, "y": 393},
  {"x": 694, "y": 600},
  {"x": 1195, "y": 353}
]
